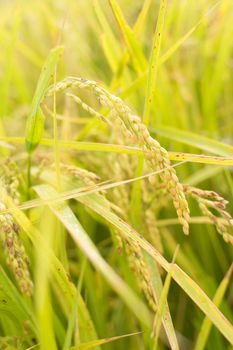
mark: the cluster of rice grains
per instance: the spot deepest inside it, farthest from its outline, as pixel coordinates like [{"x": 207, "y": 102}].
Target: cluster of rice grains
[
  {"x": 210, "y": 203},
  {"x": 16, "y": 257},
  {"x": 156, "y": 157}
]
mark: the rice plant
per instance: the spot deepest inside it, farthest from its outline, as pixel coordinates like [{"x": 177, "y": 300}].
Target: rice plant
[{"x": 116, "y": 184}]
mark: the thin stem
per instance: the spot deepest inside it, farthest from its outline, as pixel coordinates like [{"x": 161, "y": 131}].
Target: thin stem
[
  {"x": 55, "y": 137},
  {"x": 29, "y": 176}
]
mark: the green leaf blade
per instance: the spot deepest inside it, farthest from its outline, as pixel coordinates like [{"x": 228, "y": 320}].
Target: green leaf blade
[{"x": 35, "y": 120}]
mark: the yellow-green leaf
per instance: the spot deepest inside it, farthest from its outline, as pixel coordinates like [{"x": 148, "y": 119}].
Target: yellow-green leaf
[{"x": 35, "y": 120}]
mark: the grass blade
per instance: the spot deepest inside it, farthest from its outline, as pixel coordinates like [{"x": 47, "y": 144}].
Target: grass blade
[
  {"x": 166, "y": 316},
  {"x": 162, "y": 303},
  {"x": 42, "y": 287},
  {"x": 73, "y": 314},
  {"x": 206, "y": 324},
  {"x": 154, "y": 62},
  {"x": 113, "y": 52},
  {"x": 114, "y": 148},
  {"x": 35, "y": 121},
  {"x": 192, "y": 139},
  {"x": 92, "y": 344},
  {"x": 135, "y": 51},
  {"x": 13, "y": 303},
  {"x": 66, "y": 216},
  {"x": 140, "y": 22}
]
